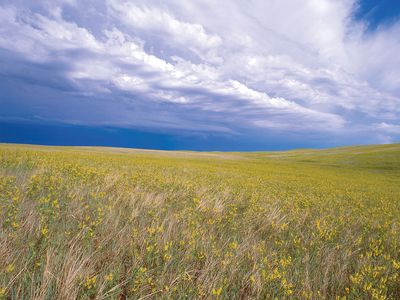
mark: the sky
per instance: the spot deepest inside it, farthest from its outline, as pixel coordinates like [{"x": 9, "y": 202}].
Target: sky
[{"x": 228, "y": 75}]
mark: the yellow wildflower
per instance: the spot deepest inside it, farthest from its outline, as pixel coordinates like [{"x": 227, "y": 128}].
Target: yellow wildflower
[
  {"x": 109, "y": 277},
  {"x": 45, "y": 231},
  {"x": 217, "y": 292},
  {"x": 10, "y": 268}
]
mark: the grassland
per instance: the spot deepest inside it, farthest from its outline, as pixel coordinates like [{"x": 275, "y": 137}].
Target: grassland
[{"x": 104, "y": 223}]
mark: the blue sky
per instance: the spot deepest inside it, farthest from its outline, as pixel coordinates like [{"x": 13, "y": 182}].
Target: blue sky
[
  {"x": 377, "y": 12},
  {"x": 200, "y": 75}
]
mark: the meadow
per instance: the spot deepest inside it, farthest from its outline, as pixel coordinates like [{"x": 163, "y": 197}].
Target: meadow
[{"x": 109, "y": 223}]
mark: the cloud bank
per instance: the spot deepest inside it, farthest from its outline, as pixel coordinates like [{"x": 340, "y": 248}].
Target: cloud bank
[{"x": 226, "y": 67}]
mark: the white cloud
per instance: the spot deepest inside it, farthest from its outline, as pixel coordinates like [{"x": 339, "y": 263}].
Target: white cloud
[
  {"x": 292, "y": 65},
  {"x": 158, "y": 22},
  {"x": 389, "y": 128},
  {"x": 38, "y": 37}
]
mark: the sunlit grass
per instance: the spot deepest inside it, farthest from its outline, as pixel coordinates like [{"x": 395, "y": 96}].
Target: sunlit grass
[{"x": 95, "y": 223}]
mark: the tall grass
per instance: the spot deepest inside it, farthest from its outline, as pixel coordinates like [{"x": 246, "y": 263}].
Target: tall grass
[{"x": 93, "y": 224}]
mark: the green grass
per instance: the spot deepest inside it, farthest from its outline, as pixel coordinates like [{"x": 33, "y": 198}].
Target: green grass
[{"x": 114, "y": 223}]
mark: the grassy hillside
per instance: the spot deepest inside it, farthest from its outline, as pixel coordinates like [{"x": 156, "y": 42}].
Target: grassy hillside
[{"x": 107, "y": 223}]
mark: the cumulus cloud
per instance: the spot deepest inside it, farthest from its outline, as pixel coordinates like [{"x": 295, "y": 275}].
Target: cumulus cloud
[
  {"x": 292, "y": 66},
  {"x": 162, "y": 24}
]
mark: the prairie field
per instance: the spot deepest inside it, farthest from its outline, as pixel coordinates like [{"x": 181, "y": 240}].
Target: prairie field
[{"x": 113, "y": 223}]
